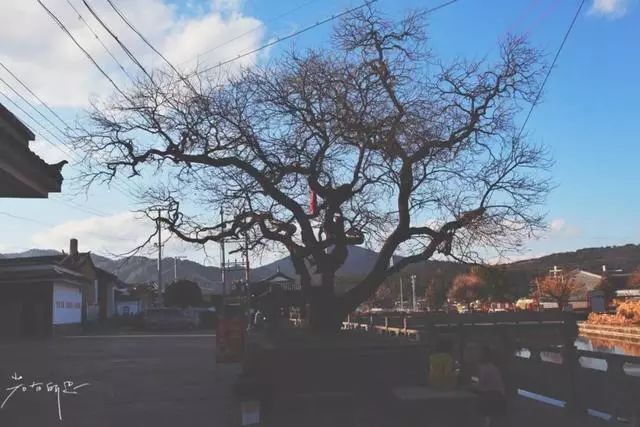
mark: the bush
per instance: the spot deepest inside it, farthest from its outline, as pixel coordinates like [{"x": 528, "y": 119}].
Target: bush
[{"x": 627, "y": 313}]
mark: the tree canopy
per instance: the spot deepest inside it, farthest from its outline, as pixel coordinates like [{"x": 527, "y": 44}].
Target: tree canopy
[
  {"x": 558, "y": 288},
  {"x": 466, "y": 287},
  {"x": 183, "y": 293},
  {"x": 406, "y": 153}
]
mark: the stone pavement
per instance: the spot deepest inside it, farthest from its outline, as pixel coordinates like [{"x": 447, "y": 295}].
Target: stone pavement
[
  {"x": 170, "y": 380},
  {"x": 164, "y": 380}
]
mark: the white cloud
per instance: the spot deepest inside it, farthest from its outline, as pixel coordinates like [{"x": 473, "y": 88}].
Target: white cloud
[
  {"x": 610, "y": 8},
  {"x": 111, "y": 234},
  {"x": 116, "y": 235},
  {"x": 46, "y": 59},
  {"x": 559, "y": 228}
]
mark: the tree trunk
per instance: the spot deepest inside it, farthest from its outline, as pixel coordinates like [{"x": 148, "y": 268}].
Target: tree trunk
[{"x": 326, "y": 310}]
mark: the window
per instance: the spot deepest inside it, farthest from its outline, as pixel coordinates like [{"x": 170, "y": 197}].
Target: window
[
  {"x": 125, "y": 310},
  {"x": 68, "y": 304},
  {"x": 77, "y": 305},
  {"x": 59, "y": 304}
]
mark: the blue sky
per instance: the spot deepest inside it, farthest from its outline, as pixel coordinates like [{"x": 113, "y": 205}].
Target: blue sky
[{"x": 588, "y": 117}]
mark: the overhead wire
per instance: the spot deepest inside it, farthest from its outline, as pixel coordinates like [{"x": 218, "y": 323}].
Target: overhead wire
[
  {"x": 297, "y": 33},
  {"x": 123, "y": 46},
  {"x": 553, "y": 63},
  {"x": 142, "y": 37},
  {"x": 19, "y": 95},
  {"x": 86, "y": 53},
  {"x": 26, "y": 113},
  {"x": 69, "y": 152},
  {"x": 12, "y": 74},
  {"x": 102, "y": 43},
  {"x": 246, "y": 33}
]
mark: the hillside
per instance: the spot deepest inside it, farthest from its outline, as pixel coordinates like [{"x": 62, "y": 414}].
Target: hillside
[
  {"x": 626, "y": 258},
  {"x": 360, "y": 261}
]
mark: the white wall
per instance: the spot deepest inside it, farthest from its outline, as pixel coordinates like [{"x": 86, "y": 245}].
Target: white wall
[
  {"x": 134, "y": 307},
  {"x": 67, "y": 304}
]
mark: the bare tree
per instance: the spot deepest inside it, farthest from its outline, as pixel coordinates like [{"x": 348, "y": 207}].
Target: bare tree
[{"x": 407, "y": 154}]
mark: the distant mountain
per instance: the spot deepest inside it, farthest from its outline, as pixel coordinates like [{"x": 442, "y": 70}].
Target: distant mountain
[
  {"x": 358, "y": 264},
  {"x": 626, "y": 258},
  {"x": 31, "y": 253}
]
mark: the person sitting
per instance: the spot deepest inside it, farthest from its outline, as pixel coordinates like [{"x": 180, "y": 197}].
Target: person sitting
[
  {"x": 492, "y": 402},
  {"x": 441, "y": 367}
]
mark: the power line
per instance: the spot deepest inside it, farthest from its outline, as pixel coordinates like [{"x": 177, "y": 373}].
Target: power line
[
  {"x": 310, "y": 27},
  {"x": 104, "y": 46},
  {"x": 142, "y": 37},
  {"x": 71, "y": 153},
  {"x": 87, "y": 54},
  {"x": 148, "y": 43},
  {"x": 15, "y": 104},
  {"x": 254, "y": 29},
  {"x": 301, "y": 31},
  {"x": 115, "y": 37},
  {"x": 34, "y": 95},
  {"x": 553, "y": 63},
  {"x": 34, "y": 108}
]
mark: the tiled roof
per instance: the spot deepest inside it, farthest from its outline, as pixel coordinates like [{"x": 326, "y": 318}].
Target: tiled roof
[
  {"x": 71, "y": 262},
  {"x": 16, "y": 123},
  {"x": 53, "y": 171}
]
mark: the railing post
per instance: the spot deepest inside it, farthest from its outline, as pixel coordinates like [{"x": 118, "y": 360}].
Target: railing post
[
  {"x": 386, "y": 325},
  {"x": 571, "y": 361}
]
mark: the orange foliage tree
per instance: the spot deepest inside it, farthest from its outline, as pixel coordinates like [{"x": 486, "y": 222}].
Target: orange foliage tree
[
  {"x": 559, "y": 288},
  {"x": 466, "y": 288}
]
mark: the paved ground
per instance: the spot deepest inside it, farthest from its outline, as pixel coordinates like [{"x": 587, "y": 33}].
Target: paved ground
[
  {"x": 144, "y": 380},
  {"x": 167, "y": 380}
]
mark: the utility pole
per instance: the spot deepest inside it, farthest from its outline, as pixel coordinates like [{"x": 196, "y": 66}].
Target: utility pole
[
  {"x": 247, "y": 270},
  {"x": 401, "y": 294},
  {"x": 413, "y": 290},
  {"x": 175, "y": 266},
  {"x": 159, "y": 230},
  {"x": 222, "y": 261}
]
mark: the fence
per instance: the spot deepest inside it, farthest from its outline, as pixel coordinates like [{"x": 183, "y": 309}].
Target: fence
[{"x": 580, "y": 380}]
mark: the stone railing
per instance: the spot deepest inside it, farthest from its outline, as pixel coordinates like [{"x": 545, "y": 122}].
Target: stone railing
[
  {"x": 421, "y": 325},
  {"x": 582, "y": 380}
]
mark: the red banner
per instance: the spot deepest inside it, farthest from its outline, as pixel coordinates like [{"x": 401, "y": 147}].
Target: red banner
[{"x": 230, "y": 336}]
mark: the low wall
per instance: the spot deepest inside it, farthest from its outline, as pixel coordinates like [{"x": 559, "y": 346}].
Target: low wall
[
  {"x": 608, "y": 383},
  {"x": 629, "y": 333},
  {"x": 583, "y": 380}
]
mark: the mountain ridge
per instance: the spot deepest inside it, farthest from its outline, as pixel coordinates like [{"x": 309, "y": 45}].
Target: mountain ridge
[{"x": 142, "y": 269}]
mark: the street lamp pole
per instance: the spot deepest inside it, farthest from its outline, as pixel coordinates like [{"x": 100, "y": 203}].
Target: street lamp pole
[
  {"x": 413, "y": 290},
  {"x": 175, "y": 267}
]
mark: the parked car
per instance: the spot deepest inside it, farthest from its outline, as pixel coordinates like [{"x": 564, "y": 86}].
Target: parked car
[{"x": 169, "y": 319}]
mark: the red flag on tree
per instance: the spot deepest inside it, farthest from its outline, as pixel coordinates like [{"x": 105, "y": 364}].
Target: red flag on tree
[{"x": 313, "y": 203}]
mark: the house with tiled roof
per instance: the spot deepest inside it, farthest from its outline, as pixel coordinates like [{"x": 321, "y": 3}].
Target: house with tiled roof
[{"x": 44, "y": 294}]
